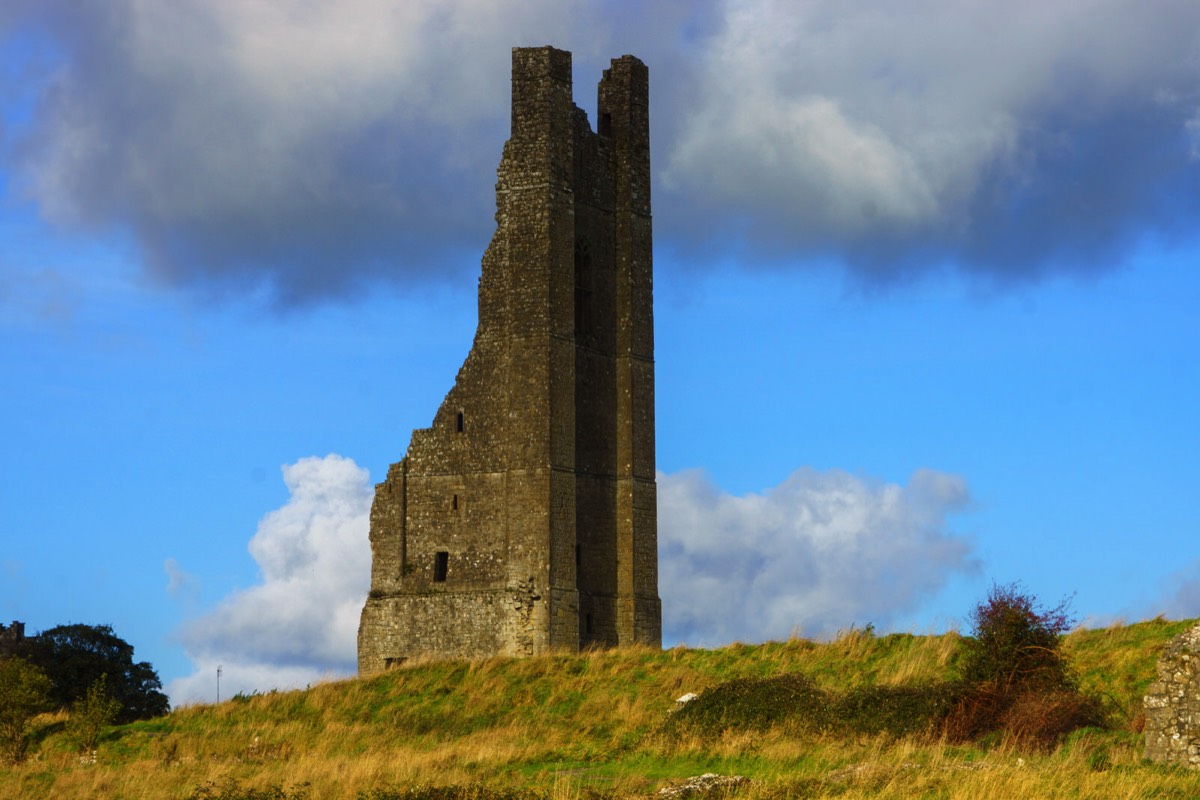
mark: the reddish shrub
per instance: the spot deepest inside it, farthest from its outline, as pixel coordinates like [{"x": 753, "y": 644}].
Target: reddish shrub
[
  {"x": 1014, "y": 642},
  {"x": 1040, "y": 719}
]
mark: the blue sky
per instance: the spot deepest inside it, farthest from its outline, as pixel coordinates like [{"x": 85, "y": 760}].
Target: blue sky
[{"x": 925, "y": 306}]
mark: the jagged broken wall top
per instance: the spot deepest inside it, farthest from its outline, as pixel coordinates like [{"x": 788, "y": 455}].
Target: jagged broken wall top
[{"x": 11, "y": 637}]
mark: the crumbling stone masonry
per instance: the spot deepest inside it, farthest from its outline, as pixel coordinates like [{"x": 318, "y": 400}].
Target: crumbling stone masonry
[
  {"x": 11, "y": 638},
  {"x": 1173, "y": 703},
  {"x": 525, "y": 518}
]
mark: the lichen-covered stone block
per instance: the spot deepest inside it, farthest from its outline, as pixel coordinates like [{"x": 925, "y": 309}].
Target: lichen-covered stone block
[
  {"x": 1173, "y": 703},
  {"x": 524, "y": 518}
]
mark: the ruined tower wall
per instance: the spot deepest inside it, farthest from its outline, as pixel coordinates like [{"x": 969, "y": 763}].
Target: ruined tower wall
[
  {"x": 625, "y": 110},
  {"x": 11, "y": 638},
  {"x": 523, "y": 518},
  {"x": 1172, "y": 703}
]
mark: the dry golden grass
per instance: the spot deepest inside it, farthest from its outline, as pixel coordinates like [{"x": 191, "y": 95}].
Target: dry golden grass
[{"x": 571, "y": 724}]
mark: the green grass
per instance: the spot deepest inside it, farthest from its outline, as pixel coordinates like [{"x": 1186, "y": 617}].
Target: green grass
[
  {"x": 1117, "y": 663},
  {"x": 603, "y": 724}
]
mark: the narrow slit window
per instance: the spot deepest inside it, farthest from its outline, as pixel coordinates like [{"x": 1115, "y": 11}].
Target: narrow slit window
[
  {"x": 441, "y": 561},
  {"x": 583, "y": 288},
  {"x": 460, "y": 422},
  {"x": 454, "y": 503},
  {"x": 587, "y": 622},
  {"x": 605, "y": 124}
]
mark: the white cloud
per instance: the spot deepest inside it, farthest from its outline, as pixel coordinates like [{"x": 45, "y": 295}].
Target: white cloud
[
  {"x": 301, "y": 622},
  {"x": 819, "y": 552}
]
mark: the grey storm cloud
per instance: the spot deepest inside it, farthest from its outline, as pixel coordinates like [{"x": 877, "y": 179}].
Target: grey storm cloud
[
  {"x": 310, "y": 149},
  {"x": 1006, "y": 138}
]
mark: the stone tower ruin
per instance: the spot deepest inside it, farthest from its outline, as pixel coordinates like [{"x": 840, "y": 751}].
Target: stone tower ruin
[{"x": 525, "y": 518}]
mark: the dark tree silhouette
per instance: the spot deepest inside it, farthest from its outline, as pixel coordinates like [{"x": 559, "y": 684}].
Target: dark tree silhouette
[{"x": 74, "y": 657}]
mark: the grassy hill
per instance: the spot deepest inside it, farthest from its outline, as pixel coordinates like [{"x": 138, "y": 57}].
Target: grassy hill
[{"x": 599, "y": 724}]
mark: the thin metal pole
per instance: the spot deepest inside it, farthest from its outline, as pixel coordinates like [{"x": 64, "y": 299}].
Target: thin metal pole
[{"x": 218, "y": 684}]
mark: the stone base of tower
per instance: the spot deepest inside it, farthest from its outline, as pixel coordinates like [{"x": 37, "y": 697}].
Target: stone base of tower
[
  {"x": 647, "y": 621},
  {"x": 484, "y": 624},
  {"x": 475, "y": 624}
]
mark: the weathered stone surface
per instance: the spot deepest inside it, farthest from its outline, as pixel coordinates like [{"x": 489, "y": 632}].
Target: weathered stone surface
[
  {"x": 11, "y": 637},
  {"x": 706, "y": 784},
  {"x": 524, "y": 518},
  {"x": 1173, "y": 703}
]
